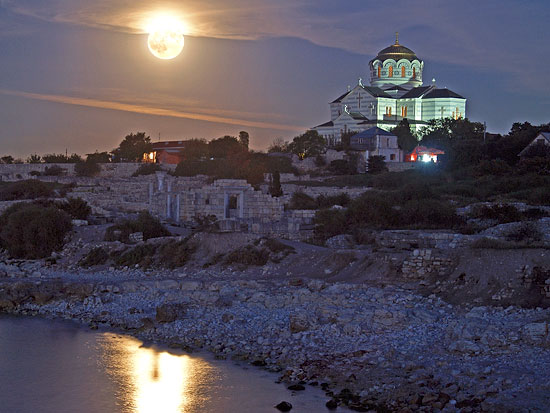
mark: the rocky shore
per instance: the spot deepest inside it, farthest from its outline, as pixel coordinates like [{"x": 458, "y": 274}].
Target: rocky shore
[{"x": 370, "y": 348}]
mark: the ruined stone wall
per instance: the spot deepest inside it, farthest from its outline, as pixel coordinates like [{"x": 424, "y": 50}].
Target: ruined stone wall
[
  {"x": 112, "y": 196},
  {"x": 425, "y": 262},
  {"x": 408, "y": 239},
  {"x": 400, "y": 166},
  {"x": 16, "y": 172},
  {"x": 185, "y": 200},
  {"x": 315, "y": 191}
]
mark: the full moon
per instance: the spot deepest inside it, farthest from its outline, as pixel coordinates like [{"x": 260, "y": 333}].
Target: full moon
[{"x": 166, "y": 38}]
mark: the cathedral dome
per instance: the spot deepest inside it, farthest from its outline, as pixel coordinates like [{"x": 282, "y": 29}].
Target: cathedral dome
[
  {"x": 396, "y": 65},
  {"x": 396, "y": 52}
]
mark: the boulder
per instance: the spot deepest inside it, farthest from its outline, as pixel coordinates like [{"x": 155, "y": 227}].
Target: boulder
[
  {"x": 167, "y": 313},
  {"x": 340, "y": 242},
  {"x": 537, "y": 331},
  {"x": 298, "y": 322},
  {"x": 284, "y": 407}
]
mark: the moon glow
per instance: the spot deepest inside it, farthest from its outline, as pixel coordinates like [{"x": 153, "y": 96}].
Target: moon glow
[{"x": 166, "y": 39}]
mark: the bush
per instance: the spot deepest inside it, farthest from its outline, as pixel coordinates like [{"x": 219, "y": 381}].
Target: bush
[
  {"x": 145, "y": 223},
  {"x": 54, "y": 170},
  {"x": 77, "y": 208},
  {"x": 174, "y": 254},
  {"x": 502, "y": 213},
  {"x": 329, "y": 223},
  {"x": 490, "y": 243},
  {"x": 492, "y": 167},
  {"x": 141, "y": 255},
  {"x": 342, "y": 167},
  {"x": 301, "y": 200},
  {"x": 248, "y": 255},
  {"x": 97, "y": 256},
  {"x": 147, "y": 169},
  {"x": 428, "y": 213},
  {"x": 525, "y": 232},
  {"x": 30, "y": 231},
  {"x": 376, "y": 165},
  {"x": 29, "y": 189},
  {"x": 320, "y": 161},
  {"x": 87, "y": 168},
  {"x": 341, "y": 199}
]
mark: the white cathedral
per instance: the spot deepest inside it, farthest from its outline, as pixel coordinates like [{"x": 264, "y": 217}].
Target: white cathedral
[{"x": 395, "y": 93}]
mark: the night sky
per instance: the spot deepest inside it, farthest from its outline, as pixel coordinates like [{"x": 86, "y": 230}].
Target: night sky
[{"x": 77, "y": 74}]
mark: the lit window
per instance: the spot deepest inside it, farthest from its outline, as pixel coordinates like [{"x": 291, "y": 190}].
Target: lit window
[
  {"x": 402, "y": 71},
  {"x": 414, "y": 72},
  {"x": 390, "y": 71},
  {"x": 388, "y": 110},
  {"x": 403, "y": 111},
  {"x": 379, "y": 71}
]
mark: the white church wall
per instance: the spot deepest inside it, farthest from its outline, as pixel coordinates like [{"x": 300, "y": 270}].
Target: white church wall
[{"x": 438, "y": 108}]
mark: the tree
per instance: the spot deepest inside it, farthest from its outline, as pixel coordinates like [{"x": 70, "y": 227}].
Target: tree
[
  {"x": 225, "y": 147},
  {"x": 275, "y": 188},
  {"x": 132, "y": 148},
  {"x": 442, "y": 132},
  {"x": 278, "y": 145},
  {"x": 376, "y": 164},
  {"x": 308, "y": 144},
  {"x": 74, "y": 158},
  {"x": 244, "y": 138},
  {"x": 405, "y": 138},
  {"x": 195, "y": 149},
  {"x": 61, "y": 158},
  {"x": 8, "y": 159},
  {"x": 34, "y": 159},
  {"x": 33, "y": 231},
  {"x": 87, "y": 168},
  {"x": 98, "y": 157},
  {"x": 538, "y": 150},
  {"x": 346, "y": 139}
]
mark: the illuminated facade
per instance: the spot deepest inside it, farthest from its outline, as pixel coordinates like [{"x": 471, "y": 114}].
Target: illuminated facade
[
  {"x": 168, "y": 152},
  {"x": 395, "y": 93}
]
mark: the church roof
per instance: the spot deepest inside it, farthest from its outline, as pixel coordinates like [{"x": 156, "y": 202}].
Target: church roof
[
  {"x": 369, "y": 133},
  {"x": 396, "y": 52},
  {"x": 339, "y": 99},
  {"x": 396, "y": 87},
  {"x": 376, "y": 92},
  {"x": 417, "y": 92},
  {"x": 326, "y": 124},
  {"x": 358, "y": 116},
  {"x": 442, "y": 93}
]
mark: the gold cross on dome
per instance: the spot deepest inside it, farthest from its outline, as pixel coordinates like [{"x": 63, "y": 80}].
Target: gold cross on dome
[{"x": 396, "y": 37}]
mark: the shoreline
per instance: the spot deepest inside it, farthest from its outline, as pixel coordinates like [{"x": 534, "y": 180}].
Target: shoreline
[{"x": 369, "y": 347}]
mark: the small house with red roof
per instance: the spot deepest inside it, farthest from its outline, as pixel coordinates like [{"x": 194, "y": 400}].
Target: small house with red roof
[{"x": 167, "y": 152}]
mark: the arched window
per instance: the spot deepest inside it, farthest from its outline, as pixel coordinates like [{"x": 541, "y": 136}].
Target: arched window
[
  {"x": 390, "y": 71},
  {"x": 414, "y": 72},
  {"x": 402, "y": 71},
  {"x": 379, "y": 71}
]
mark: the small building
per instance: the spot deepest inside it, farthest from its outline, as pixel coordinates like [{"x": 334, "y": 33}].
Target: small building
[
  {"x": 167, "y": 152},
  {"x": 424, "y": 154},
  {"x": 376, "y": 142},
  {"x": 542, "y": 139}
]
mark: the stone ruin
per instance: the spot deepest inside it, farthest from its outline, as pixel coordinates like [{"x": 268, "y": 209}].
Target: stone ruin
[{"x": 233, "y": 203}]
